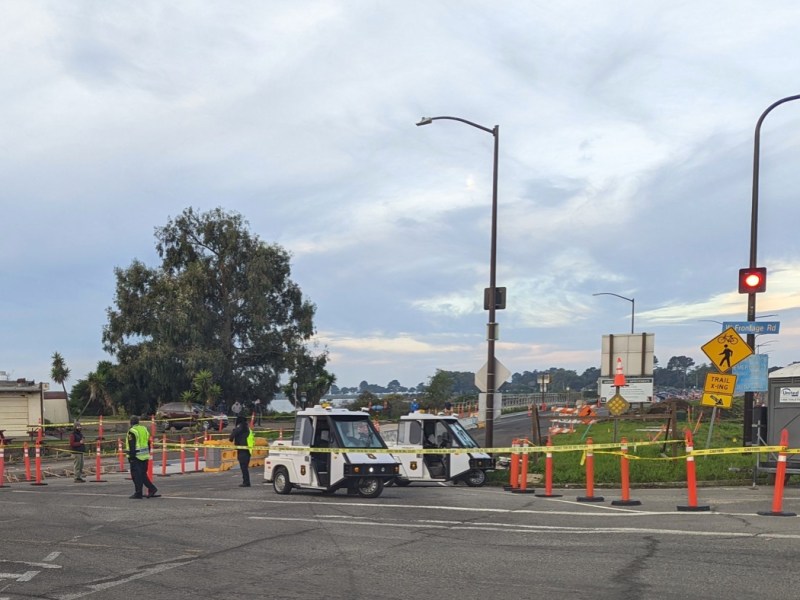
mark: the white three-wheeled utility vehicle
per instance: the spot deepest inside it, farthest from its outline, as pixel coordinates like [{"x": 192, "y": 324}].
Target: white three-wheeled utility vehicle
[
  {"x": 425, "y": 431},
  {"x": 330, "y": 450}
]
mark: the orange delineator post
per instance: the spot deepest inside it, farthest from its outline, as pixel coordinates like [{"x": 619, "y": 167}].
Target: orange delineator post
[
  {"x": 625, "y": 477},
  {"x": 513, "y": 479},
  {"x": 183, "y": 456},
  {"x": 691, "y": 479},
  {"x": 38, "y": 464},
  {"x": 780, "y": 479},
  {"x": 220, "y": 426},
  {"x": 100, "y": 428},
  {"x": 151, "y": 443},
  {"x": 590, "y": 497},
  {"x": 121, "y": 455},
  {"x": 196, "y": 456},
  {"x": 548, "y": 473},
  {"x": 27, "y": 459},
  {"x": 98, "y": 465},
  {"x": 164, "y": 455},
  {"x": 2, "y": 463},
  {"x": 252, "y": 420},
  {"x": 523, "y": 473}
]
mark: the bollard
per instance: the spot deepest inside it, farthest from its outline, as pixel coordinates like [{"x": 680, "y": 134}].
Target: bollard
[
  {"x": 38, "y": 464},
  {"x": 590, "y": 497},
  {"x": 523, "y": 474},
  {"x": 691, "y": 480},
  {"x": 27, "y": 458},
  {"x": 207, "y": 436},
  {"x": 625, "y": 477},
  {"x": 548, "y": 473},
  {"x": 183, "y": 457},
  {"x": 780, "y": 480},
  {"x": 98, "y": 466},
  {"x": 164, "y": 456}
]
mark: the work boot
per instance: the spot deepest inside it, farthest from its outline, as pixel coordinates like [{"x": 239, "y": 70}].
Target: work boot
[{"x": 136, "y": 497}]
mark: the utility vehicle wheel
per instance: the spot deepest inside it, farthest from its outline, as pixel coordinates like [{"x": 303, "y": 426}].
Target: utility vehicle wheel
[
  {"x": 402, "y": 482},
  {"x": 280, "y": 481},
  {"x": 369, "y": 487},
  {"x": 475, "y": 478}
]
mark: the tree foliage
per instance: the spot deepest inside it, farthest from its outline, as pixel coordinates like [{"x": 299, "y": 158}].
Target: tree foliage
[{"x": 221, "y": 301}]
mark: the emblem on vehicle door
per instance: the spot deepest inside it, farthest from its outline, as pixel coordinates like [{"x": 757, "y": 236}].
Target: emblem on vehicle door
[
  {"x": 413, "y": 465},
  {"x": 302, "y": 469}
]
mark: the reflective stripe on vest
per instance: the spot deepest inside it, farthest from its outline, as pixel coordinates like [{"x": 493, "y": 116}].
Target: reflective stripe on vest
[{"x": 142, "y": 441}]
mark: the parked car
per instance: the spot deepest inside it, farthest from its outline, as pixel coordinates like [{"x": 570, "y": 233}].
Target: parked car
[{"x": 185, "y": 414}]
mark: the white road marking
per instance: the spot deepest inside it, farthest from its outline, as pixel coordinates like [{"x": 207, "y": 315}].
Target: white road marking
[
  {"x": 93, "y": 588},
  {"x": 512, "y": 528}
]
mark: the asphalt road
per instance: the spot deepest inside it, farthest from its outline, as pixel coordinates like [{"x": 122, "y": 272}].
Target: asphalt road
[{"x": 208, "y": 538}]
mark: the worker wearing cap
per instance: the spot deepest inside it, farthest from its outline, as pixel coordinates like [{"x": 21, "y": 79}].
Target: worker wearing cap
[
  {"x": 78, "y": 447},
  {"x": 139, "y": 458}
]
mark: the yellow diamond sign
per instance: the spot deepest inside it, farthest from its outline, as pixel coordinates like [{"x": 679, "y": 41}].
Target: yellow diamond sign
[
  {"x": 727, "y": 349},
  {"x": 617, "y": 405}
]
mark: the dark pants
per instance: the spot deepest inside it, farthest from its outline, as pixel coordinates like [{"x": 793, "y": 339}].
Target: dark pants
[
  {"x": 244, "y": 465},
  {"x": 140, "y": 478}
]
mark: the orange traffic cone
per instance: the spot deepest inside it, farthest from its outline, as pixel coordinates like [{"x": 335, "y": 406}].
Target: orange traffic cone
[{"x": 619, "y": 376}]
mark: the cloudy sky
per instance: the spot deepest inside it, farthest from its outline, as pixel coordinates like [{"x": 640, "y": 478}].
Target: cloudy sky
[{"x": 626, "y": 161}]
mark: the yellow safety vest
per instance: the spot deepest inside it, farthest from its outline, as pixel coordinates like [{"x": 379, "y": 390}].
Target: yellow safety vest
[{"x": 142, "y": 441}]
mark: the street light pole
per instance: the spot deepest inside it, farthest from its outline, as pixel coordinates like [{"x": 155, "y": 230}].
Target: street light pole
[
  {"x": 631, "y": 300},
  {"x": 749, "y": 397},
  {"x": 491, "y": 328}
]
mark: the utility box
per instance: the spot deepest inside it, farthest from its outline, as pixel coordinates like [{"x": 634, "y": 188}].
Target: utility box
[{"x": 783, "y": 412}]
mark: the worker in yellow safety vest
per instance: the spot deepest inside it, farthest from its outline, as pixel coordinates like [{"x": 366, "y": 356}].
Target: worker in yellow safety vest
[{"x": 139, "y": 459}]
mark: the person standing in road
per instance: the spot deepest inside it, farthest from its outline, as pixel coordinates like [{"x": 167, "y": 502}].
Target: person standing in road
[
  {"x": 243, "y": 438},
  {"x": 236, "y": 409},
  {"x": 139, "y": 459},
  {"x": 257, "y": 410},
  {"x": 78, "y": 448}
]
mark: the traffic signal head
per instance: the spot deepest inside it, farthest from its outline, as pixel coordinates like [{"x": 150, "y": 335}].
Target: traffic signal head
[{"x": 752, "y": 281}]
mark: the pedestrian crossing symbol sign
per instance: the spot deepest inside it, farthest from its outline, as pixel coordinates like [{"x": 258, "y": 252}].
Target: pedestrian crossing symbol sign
[{"x": 726, "y": 350}]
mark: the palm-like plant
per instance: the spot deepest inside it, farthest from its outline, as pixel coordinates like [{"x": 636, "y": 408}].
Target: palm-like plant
[{"x": 60, "y": 373}]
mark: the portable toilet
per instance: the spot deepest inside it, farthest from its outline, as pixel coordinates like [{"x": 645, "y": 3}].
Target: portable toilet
[{"x": 783, "y": 412}]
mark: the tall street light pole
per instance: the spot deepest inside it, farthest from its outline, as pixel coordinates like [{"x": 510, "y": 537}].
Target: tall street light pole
[
  {"x": 749, "y": 397},
  {"x": 631, "y": 300},
  {"x": 491, "y": 328}
]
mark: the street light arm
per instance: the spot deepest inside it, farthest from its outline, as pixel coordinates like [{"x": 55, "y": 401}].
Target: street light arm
[
  {"x": 631, "y": 300},
  {"x": 429, "y": 120}
]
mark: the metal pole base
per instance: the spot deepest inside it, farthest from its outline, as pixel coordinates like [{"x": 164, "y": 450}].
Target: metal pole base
[
  {"x": 626, "y": 503},
  {"x": 590, "y": 499},
  {"x": 694, "y": 508},
  {"x": 769, "y": 513}
]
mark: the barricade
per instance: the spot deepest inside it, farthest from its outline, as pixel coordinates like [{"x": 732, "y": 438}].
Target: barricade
[
  {"x": 548, "y": 473},
  {"x": 590, "y": 497},
  {"x": 780, "y": 479},
  {"x": 625, "y": 478},
  {"x": 222, "y": 455},
  {"x": 691, "y": 480}
]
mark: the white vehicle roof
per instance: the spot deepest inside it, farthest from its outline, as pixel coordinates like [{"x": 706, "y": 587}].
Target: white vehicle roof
[
  {"x": 319, "y": 410},
  {"x": 426, "y": 416}
]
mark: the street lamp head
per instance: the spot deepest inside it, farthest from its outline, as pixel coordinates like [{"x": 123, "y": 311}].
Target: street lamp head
[{"x": 424, "y": 121}]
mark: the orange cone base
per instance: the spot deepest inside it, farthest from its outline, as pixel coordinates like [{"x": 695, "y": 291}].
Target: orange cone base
[
  {"x": 43, "y": 483},
  {"x": 96, "y": 481},
  {"x": 694, "y": 508},
  {"x": 525, "y": 491},
  {"x": 626, "y": 503},
  {"x": 508, "y": 488},
  {"x": 769, "y": 513},
  {"x": 548, "y": 495},
  {"x": 590, "y": 499}
]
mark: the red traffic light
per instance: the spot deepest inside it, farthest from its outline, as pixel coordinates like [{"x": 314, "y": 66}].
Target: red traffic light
[{"x": 752, "y": 281}]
